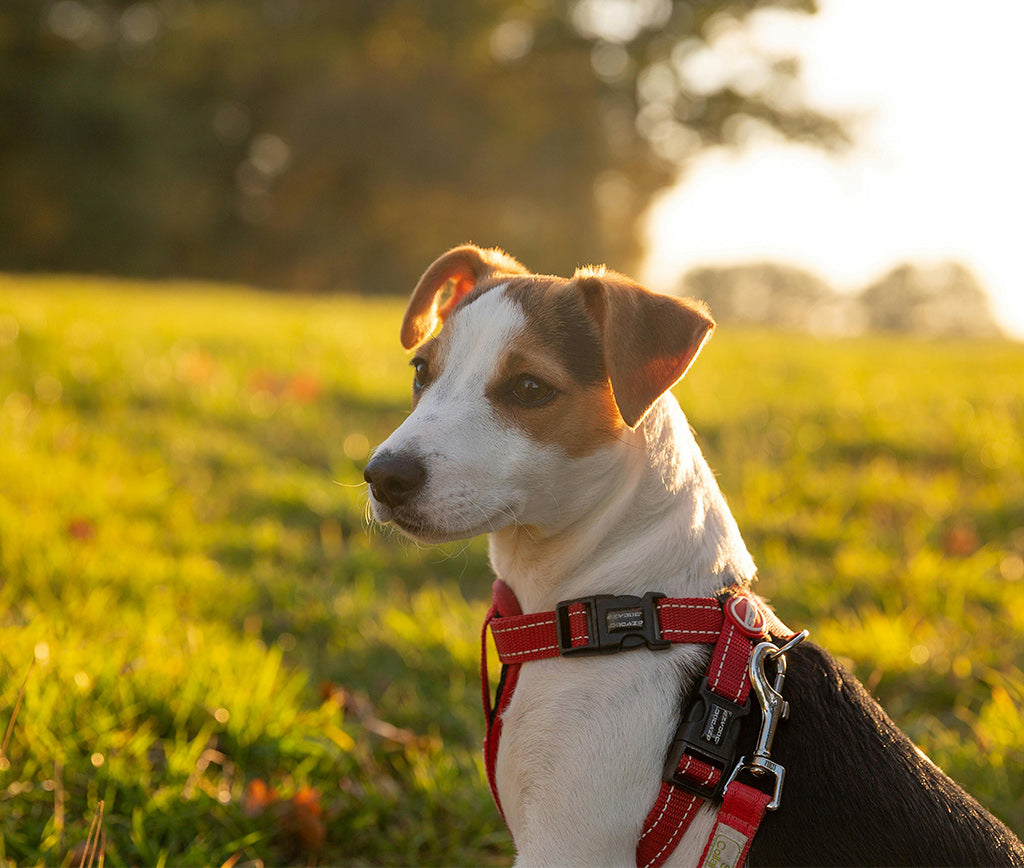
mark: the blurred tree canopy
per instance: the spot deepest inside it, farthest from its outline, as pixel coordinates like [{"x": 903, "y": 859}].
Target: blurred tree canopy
[{"x": 318, "y": 144}]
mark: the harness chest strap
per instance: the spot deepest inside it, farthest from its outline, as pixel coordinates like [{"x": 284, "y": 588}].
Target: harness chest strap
[
  {"x": 604, "y": 624},
  {"x": 689, "y": 781}
]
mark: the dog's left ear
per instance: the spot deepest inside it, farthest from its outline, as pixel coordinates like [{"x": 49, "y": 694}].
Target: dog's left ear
[
  {"x": 465, "y": 266},
  {"x": 649, "y": 339}
]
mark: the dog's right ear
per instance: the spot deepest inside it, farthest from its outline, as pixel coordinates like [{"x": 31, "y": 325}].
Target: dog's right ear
[{"x": 465, "y": 266}]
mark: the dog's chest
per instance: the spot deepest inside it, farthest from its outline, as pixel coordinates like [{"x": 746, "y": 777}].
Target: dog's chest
[{"x": 582, "y": 748}]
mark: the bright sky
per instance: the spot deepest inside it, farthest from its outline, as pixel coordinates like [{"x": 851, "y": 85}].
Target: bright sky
[{"x": 935, "y": 172}]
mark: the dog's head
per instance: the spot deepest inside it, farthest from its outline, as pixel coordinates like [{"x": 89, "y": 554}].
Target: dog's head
[{"x": 530, "y": 379}]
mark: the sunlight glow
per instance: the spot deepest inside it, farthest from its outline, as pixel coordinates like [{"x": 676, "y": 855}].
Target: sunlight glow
[{"x": 935, "y": 172}]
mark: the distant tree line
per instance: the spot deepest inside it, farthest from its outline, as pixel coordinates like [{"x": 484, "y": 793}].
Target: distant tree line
[
  {"x": 943, "y": 300},
  {"x": 320, "y": 145}
]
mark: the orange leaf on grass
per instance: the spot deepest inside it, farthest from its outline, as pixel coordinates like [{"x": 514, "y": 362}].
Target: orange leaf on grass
[
  {"x": 258, "y": 797},
  {"x": 303, "y": 820},
  {"x": 81, "y": 528}
]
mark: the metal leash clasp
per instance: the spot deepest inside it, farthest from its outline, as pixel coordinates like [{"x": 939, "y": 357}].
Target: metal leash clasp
[{"x": 773, "y": 709}]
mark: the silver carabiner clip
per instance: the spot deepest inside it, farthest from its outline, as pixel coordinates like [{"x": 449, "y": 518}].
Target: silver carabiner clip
[{"x": 773, "y": 709}]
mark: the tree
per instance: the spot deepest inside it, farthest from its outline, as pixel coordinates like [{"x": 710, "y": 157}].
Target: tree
[
  {"x": 766, "y": 294},
  {"x": 945, "y": 299},
  {"x": 316, "y": 144}
]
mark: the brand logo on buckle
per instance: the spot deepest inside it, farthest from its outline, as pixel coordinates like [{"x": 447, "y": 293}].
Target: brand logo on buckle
[
  {"x": 718, "y": 724},
  {"x": 625, "y": 620},
  {"x": 747, "y": 617}
]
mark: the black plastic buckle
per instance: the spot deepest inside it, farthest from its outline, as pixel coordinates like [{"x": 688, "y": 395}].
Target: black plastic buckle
[
  {"x": 710, "y": 732},
  {"x": 613, "y": 624}
]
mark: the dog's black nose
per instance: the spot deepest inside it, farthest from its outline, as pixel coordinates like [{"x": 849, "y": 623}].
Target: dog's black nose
[{"x": 394, "y": 478}]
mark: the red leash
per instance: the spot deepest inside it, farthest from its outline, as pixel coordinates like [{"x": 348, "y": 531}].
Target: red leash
[{"x": 701, "y": 765}]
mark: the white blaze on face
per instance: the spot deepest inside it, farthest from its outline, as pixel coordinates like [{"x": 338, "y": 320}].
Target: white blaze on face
[{"x": 475, "y": 339}]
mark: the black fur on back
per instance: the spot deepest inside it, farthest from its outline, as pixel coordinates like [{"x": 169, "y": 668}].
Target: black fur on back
[{"x": 857, "y": 792}]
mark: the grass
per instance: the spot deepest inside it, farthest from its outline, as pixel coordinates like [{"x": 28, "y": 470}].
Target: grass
[{"x": 208, "y": 657}]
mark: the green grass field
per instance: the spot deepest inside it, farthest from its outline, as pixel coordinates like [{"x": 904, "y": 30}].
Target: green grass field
[{"x": 200, "y": 632}]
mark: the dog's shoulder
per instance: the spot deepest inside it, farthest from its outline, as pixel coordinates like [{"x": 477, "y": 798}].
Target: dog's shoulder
[{"x": 845, "y": 758}]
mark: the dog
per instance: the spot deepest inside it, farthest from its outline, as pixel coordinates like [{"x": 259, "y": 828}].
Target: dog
[{"x": 542, "y": 417}]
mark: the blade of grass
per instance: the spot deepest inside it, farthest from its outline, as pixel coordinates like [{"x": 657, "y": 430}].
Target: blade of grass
[
  {"x": 58, "y": 800},
  {"x": 14, "y": 713},
  {"x": 92, "y": 842}
]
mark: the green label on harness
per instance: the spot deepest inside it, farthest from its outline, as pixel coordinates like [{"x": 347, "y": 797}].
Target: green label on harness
[{"x": 725, "y": 848}]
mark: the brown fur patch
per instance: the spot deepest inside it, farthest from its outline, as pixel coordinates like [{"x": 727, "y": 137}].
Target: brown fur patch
[
  {"x": 579, "y": 421},
  {"x": 581, "y": 416},
  {"x": 554, "y": 308}
]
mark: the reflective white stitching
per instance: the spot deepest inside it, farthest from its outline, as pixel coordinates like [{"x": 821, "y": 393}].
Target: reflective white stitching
[
  {"x": 503, "y": 655},
  {"x": 684, "y": 821},
  {"x": 513, "y": 627}
]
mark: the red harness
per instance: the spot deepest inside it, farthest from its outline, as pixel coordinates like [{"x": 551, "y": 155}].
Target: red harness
[{"x": 701, "y": 763}]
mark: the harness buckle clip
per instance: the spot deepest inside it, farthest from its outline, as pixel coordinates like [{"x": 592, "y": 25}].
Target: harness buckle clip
[
  {"x": 773, "y": 709},
  {"x": 709, "y": 732},
  {"x": 614, "y": 623}
]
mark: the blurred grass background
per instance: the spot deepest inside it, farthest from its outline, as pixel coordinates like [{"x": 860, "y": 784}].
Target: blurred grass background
[
  {"x": 200, "y": 630},
  {"x": 207, "y": 654}
]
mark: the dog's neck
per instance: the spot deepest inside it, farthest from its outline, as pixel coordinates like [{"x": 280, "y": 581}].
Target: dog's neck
[{"x": 650, "y": 518}]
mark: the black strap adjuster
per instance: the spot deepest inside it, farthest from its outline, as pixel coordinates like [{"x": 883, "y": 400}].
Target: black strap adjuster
[
  {"x": 614, "y": 623},
  {"x": 709, "y": 731}
]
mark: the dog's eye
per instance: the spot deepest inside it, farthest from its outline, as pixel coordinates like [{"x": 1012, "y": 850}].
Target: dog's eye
[
  {"x": 421, "y": 377},
  {"x": 531, "y": 391}
]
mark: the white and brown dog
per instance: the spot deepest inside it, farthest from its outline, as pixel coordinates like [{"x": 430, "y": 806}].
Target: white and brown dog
[{"x": 542, "y": 417}]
